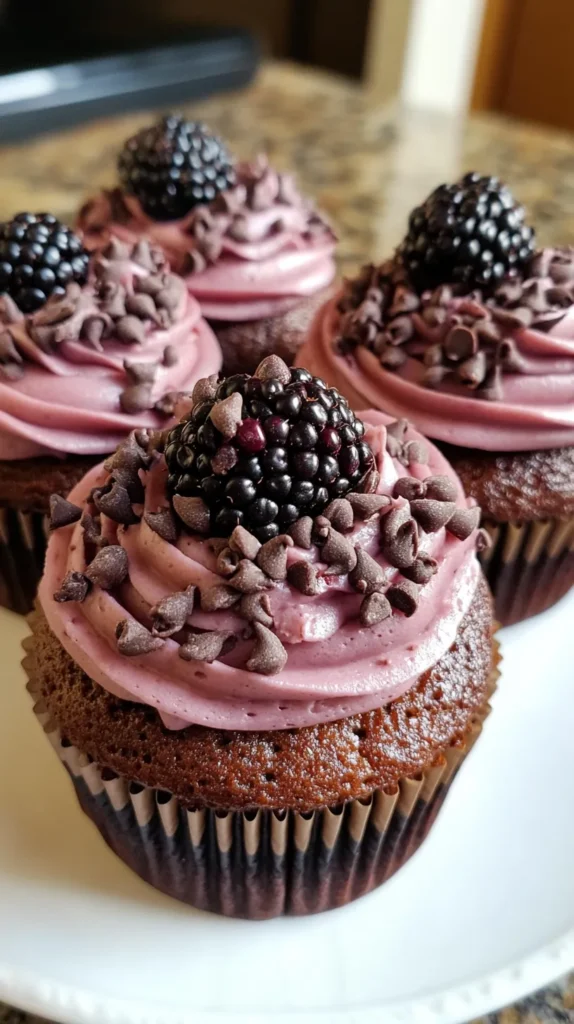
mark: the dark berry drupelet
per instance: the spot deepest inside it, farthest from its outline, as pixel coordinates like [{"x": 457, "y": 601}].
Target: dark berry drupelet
[
  {"x": 39, "y": 256},
  {"x": 297, "y": 447},
  {"x": 472, "y": 233},
  {"x": 173, "y": 166}
]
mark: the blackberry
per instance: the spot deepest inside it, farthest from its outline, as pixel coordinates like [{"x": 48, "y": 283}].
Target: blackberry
[
  {"x": 174, "y": 165},
  {"x": 472, "y": 233},
  {"x": 39, "y": 256},
  {"x": 287, "y": 463}
]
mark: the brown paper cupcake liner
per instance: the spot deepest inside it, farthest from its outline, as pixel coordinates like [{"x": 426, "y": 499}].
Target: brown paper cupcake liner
[
  {"x": 23, "y": 539},
  {"x": 262, "y": 863},
  {"x": 529, "y": 566}
]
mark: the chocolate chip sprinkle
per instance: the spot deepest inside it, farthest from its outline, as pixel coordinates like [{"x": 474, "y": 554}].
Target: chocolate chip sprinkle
[
  {"x": 205, "y": 389},
  {"x": 109, "y": 568},
  {"x": 303, "y": 576},
  {"x": 63, "y": 512},
  {"x": 248, "y": 577},
  {"x": 74, "y": 587},
  {"x": 422, "y": 570},
  {"x": 218, "y": 597},
  {"x": 268, "y": 656},
  {"x": 171, "y": 613},
  {"x": 340, "y": 514},
  {"x": 374, "y": 609},
  {"x": 463, "y": 521},
  {"x": 366, "y": 505},
  {"x": 134, "y": 640},
  {"x": 116, "y": 505},
  {"x": 92, "y": 530},
  {"x": 273, "y": 367},
  {"x": 256, "y": 608},
  {"x": 432, "y": 514},
  {"x": 244, "y": 543},
  {"x": 163, "y": 523},
  {"x": 272, "y": 556},
  {"x": 135, "y": 398},
  {"x": 227, "y": 414},
  {"x": 301, "y": 532},
  {"x": 338, "y": 553},
  {"x": 409, "y": 487},
  {"x": 320, "y": 530},
  {"x": 399, "y": 537},
  {"x": 440, "y": 487},
  {"x": 404, "y": 596},
  {"x": 226, "y": 562},
  {"x": 193, "y": 512},
  {"x": 367, "y": 575},
  {"x": 208, "y": 646}
]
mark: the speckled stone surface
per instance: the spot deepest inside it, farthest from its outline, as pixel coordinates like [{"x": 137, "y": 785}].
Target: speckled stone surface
[{"x": 366, "y": 167}]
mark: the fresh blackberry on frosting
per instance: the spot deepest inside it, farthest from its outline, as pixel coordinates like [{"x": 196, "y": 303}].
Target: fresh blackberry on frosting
[
  {"x": 471, "y": 232},
  {"x": 262, "y": 451},
  {"x": 39, "y": 256},
  {"x": 173, "y": 166}
]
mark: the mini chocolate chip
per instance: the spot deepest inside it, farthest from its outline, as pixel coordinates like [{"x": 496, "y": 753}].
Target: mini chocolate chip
[
  {"x": 442, "y": 296},
  {"x": 374, "y": 609},
  {"x": 301, "y": 532},
  {"x": 248, "y": 578},
  {"x": 460, "y": 343},
  {"x": 366, "y": 505},
  {"x": 217, "y": 544},
  {"x": 398, "y": 429},
  {"x": 150, "y": 285},
  {"x": 171, "y": 613},
  {"x": 414, "y": 453},
  {"x": 340, "y": 514},
  {"x": 226, "y": 415},
  {"x": 205, "y": 390},
  {"x": 488, "y": 332},
  {"x": 116, "y": 250},
  {"x": 404, "y": 301},
  {"x": 134, "y": 639},
  {"x": 193, "y": 512},
  {"x": 303, "y": 576},
  {"x": 367, "y": 576},
  {"x": 224, "y": 459},
  {"x": 409, "y": 487},
  {"x": 109, "y": 568},
  {"x": 509, "y": 293},
  {"x": 472, "y": 372},
  {"x": 434, "y": 376},
  {"x": 116, "y": 505},
  {"x": 321, "y": 528},
  {"x": 140, "y": 373},
  {"x": 74, "y": 587},
  {"x": 142, "y": 255},
  {"x": 404, "y": 596},
  {"x": 244, "y": 543},
  {"x": 434, "y": 316},
  {"x": 431, "y": 513},
  {"x": 92, "y": 531},
  {"x": 422, "y": 570},
  {"x": 434, "y": 355},
  {"x": 62, "y": 512},
  {"x": 169, "y": 298},
  {"x": 256, "y": 608},
  {"x": 392, "y": 358},
  {"x": 273, "y": 368},
  {"x": 142, "y": 306},
  {"x": 218, "y": 597},
  {"x": 399, "y": 537},
  {"x": 227, "y": 562},
  {"x": 491, "y": 388},
  {"x": 440, "y": 487},
  {"x": 129, "y": 329},
  {"x": 399, "y": 331},
  {"x": 510, "y": 358},
  {"x": 163, "y": 523},
  {"x": 272, "y": 556},
  {"x": 94, "y": 328},
  {"x": 208, "y": 646},
  {"x": 463, "y": 521},
  {"x": 268, "y": 656},
  {"x": 338, "y": 553},
  {"x": 167, "y": 404},
  {"x": 135, "y": 399}
]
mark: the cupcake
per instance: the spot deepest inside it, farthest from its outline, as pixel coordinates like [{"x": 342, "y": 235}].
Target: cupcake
[
  {"x": 90, "y": 349},
  {"x": 469, "y": 332},
  {"x": 254, "y": 252},
  {"x": 263, "y": 673}
]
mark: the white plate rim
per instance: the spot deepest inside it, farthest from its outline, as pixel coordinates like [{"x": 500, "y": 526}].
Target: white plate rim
[{"x": 494, "y": 991}]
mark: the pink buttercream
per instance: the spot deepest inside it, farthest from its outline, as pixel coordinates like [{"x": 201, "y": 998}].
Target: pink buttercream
[
  {"x": 68, "y": 401},
  {"x": 334, "y": 668},
  {"x": 536, "y": 409},
  {"x": 264, "y": 261}
]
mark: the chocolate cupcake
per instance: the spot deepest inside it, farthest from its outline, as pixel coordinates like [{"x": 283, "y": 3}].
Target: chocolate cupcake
[
  {"x": 90, "y": 349},
  {"x": 253, "y": 250},
  {"x": 265, "y": 718},
  {"x": 469, "y": 332}
]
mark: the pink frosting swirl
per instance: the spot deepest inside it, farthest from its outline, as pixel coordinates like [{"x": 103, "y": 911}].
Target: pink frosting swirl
[
  {"x": 334, "y": 668},
  {"x": 534, "y": 409},
  {"x": 65, "y": 396},
  {"x": 254, "y": 252}
]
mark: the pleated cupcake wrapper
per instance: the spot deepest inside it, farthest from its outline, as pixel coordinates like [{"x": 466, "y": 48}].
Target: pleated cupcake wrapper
[
  {"x": 529, "y": 567},
  {"x": 23, "y": 539},
  {"x": 263, "y": 863}
]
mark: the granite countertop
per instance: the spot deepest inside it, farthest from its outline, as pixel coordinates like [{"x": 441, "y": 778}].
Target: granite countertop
[{"x": 366, "y": 167}]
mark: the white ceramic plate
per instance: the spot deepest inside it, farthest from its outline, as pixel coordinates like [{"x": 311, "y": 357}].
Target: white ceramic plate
[{"x": 481, "y": 915}]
